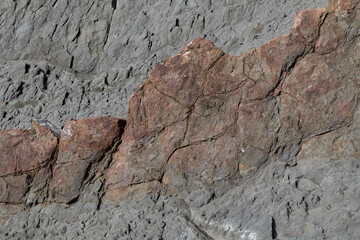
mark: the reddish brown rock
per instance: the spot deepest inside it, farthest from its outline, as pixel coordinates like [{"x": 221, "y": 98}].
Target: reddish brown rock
[
  {"x": 204, "y": 117},
  {"x": 133, "y": 192},
  {"x": 82, "y": 148},
  {"x": 316, "y": 98},
  {"x": 24, "y": 153}
]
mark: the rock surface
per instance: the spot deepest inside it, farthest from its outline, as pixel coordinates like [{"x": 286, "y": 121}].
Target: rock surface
[
  {"x": 81, "y": 157},
  {"x": 25, "y": 157},
  {"x": 203, "y": 117},
  {"x": 259, "y": 146},
  {"x": 63, "y": 60},
  {"x": 36, "y": 167}
]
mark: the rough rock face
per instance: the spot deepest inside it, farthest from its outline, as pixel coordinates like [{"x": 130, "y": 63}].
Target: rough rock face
[
  {"x": 203, "y": 117},
  {"x": 83, "y": 144},
  {"x": 34, "y": 165},
  {"x": 63, "y": 60},
  {"x": 264, "y": 145},
  {"x": 25, "y": 157}
]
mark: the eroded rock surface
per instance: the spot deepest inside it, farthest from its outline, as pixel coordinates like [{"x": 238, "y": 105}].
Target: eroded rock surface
[
  {"x": 82, "y": 148},
  {"x": 38, "y": 167},
  {"x": 203, "y": 120},
  {"x": 25, "y": 158},
  {"x": 63, "y": 60},
  {"x": 203, "y": 117},
  {"x": 264, "y": 145}
]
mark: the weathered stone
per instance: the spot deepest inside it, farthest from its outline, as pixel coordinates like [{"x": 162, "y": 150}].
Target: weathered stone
[
  {"x": 24, "y": 153},
  {"x": 260, "y": 146},
  {"x": 204, "y": 116},
  {"x": 133, "y": 192},
  {"x": 85, "y": 59},
  {"x": 316, "y": 98},
  {"x": 82, "y": 147}
]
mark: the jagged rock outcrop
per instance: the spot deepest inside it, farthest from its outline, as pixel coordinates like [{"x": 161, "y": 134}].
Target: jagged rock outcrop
[
  {"x": 36, "y": 167},
  {"x": 203, "y": 117},
  {"x": 63, "y": 60},
  {"x": 81, "y": 156},
  {"x": 25, "y": 159},
  {"x": 264, "y": 145}
]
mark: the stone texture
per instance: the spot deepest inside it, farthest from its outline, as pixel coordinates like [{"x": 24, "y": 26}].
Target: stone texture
[
  {"x": 259, "y": 146},
  {"x": 203, "y": 116},
  {"x": 81, "y": 157},
  {"x": 63, "y": 60},
  {"x": 24, "y": 153},
  {"x": 36, "y": 168}
]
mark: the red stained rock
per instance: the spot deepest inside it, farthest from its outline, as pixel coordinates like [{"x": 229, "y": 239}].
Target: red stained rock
[
  {"x": 307, "y": 24},
  {"x": 133, "y": 192},
  {"x": 258, "y": 124},
  {"x": 82, "y": 147},
  {"x": 316, "y": 98},
  {"x": 204, "y": 117},
  {"x": 182, "y": 76},
  {"x": 201, "y": 164},
  {"x": 23, "y": 154},
  {"x": 347, "y": 4}
]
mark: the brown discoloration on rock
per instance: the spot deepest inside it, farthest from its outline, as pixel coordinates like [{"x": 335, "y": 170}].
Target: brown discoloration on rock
[
  {"x": 24, "y": 150},
  {"x": 332, "y": 6},
  {"x": 15, "y": 187},
  {"x": 257, "y": 124},
  {"x": 83, "y": 144},
  {"x": 23, "y": 154},
  {"x": 182, "y": 77},
  {"x": 277, "y": 56},
  {"x": 316, "y": 98},
  {"x": 339, "y": 144},
  {"x": 330, "y": 37},
  {"x": 144, "y": 159},
  {"x": 343, "y": 9},
  {"x": 212, "y": 116},
  {"x": 307, "y": 25},
  {"x": 204, "y": 116},
  {"x": 203, "y": 163},
  {"x": 346, "y": 5},
  {"x": 134, "y": 192}
]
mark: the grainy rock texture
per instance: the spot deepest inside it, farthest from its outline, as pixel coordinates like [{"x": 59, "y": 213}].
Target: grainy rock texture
[
  {"x": 264, "y": 145},
  {"x": 63, "y": 60},
  {"x": 81, "y": 155},
  {"x": 25, "y": 159},
  {"x": 36, "y": 167}
]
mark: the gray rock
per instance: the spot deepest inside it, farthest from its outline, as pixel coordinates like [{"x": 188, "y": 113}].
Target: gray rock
[
  {"x": 45, "y": 123},
  {"x": 267, "y": 204},
  {"x": 61, "y": 60},
  {"x": 74, "y": 59}
]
